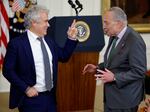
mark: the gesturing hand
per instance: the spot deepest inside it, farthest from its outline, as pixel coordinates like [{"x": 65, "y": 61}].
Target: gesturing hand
[
  {"x": 105, "y": 76},
  {"x": 72, "y": 31},
  {"x": 89, "y": 68}
]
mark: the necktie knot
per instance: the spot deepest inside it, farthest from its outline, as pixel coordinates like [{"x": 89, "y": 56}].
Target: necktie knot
[
  {"x": 40, "y": 39},
  {"x": 115, "y": 39}
]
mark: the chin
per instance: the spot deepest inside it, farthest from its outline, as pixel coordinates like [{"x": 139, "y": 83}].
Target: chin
[{"x": 45, "y": 33}]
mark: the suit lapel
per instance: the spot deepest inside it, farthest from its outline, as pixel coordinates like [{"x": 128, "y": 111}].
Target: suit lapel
[
  {"x": 27, "y": 50},
  {"x": 50, "y": 44},
  {"x": 119, "y": 47}
]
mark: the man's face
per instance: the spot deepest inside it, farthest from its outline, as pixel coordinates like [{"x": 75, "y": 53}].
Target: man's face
[
  {"x": 40, "y": 27},
  {"x": 110, "y": 26}
]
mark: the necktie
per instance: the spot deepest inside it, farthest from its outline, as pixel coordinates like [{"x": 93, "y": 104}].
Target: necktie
[
  {"x": 48, "y": 79},
  {"x": 113, "y": 47}
]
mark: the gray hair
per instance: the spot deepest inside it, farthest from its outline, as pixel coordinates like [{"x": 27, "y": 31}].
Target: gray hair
[
  {"x": 119, "y": 14},
  {"x": 33, "y": 14}
]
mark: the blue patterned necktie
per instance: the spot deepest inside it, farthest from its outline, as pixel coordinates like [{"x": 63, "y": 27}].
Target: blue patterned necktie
[{"x": 47, "y": 70}]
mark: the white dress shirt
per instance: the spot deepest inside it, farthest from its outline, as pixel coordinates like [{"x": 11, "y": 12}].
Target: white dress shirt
[
  {"x": 120, "y": 35},
  {"x": 38, "y": 60}
]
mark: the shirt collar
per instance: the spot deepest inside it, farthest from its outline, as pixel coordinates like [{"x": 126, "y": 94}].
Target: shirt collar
[
  {"x": 120, "y": 35},
  {"x": 31, "y": 35}
]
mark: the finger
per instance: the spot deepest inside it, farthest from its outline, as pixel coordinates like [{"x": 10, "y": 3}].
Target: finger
[
  {"x": 73, "y": 23},
  {"x": 97, "y": 78},
  {"x": 30, "y": 95},
  {"x": 69, "y": 28},
  {"x": 83, "y": 72},
  {"x": 36, "y": 93},
  {"x": 69, "y": 31},
  {"x": 107, "y": 70},
  {"x": 98, "y": 75},
  {"x": 101, "y": 71},
  {"x": 85, "y": 67}
]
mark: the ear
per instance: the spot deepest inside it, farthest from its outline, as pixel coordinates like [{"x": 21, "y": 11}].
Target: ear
[
  {"x": 34, "y": 23},
  {"x": 120, "y": 24}
]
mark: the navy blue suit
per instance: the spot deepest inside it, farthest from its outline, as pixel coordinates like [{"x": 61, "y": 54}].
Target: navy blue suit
[{"x": 19, "y": 67}]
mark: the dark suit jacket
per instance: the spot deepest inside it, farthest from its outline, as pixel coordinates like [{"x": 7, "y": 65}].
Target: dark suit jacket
[
  {"x": 129, "y": 66},
  {"x": 19, "y": 67}
]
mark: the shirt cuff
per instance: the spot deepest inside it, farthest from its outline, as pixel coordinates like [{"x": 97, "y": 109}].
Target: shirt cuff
[{"x": 75, "y": 39}]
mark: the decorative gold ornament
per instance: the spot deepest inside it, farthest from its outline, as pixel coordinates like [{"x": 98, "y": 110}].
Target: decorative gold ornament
[{"x": 83, "y": 31}]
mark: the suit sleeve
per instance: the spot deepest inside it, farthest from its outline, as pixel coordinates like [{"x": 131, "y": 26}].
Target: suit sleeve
[
  {"x": 9, "y": 67},
  {"x": 137, "y": 65},
  {"x": 65, "y": 52}
]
